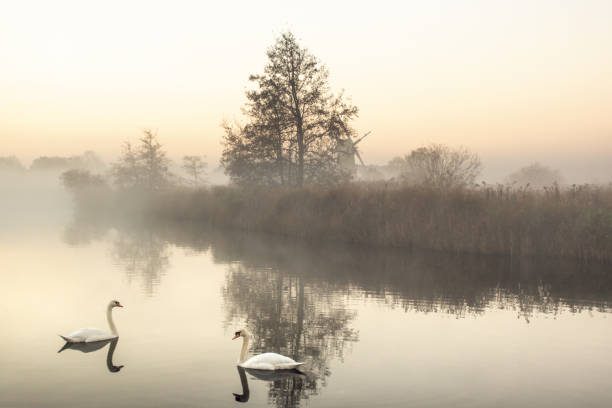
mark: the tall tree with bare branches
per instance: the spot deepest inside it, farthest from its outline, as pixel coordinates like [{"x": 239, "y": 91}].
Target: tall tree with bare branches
[
  {"x": 145, "y": 167},
  {"x": 194, "y": 166},
  {"x": 294, "y": 122}
]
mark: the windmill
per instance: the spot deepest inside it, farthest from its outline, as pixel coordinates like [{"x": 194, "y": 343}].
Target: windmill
[{"x": 347, "y": 150}]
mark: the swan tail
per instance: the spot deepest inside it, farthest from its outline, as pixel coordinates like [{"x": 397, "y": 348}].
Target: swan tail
[
  {"x": 298, "y": 369},
  {"x": 65, "y": 346},
  {"x": 67, "y": 339}
]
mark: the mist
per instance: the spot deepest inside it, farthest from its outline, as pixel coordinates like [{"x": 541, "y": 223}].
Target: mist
[
  {"x": 269, "y": 203},
  {"x": 32, "y": 201}
]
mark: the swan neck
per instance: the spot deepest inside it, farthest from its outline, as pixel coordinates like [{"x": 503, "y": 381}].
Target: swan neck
[
  {"x": 245, "y": 348},
  {"x": 109, "y": 318}
]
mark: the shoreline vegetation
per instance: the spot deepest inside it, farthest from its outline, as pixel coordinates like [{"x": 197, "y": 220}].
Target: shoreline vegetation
[{"x": 574, "y": 222}]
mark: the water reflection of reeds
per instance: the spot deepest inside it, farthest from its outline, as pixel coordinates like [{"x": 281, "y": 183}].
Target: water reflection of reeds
[
  {"x": 419, "y": 280},
  {"x": 297, "y": 298}
]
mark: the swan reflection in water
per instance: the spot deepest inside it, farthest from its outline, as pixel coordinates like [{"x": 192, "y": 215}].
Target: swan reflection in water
[
  {"x": 264, "y": 375},
  {"x": 96, "y": 345},
  {"x": 244, "y": 397}
]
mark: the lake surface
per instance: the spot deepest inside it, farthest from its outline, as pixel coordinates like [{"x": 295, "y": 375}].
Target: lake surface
[{"x": 375, "y": 327}]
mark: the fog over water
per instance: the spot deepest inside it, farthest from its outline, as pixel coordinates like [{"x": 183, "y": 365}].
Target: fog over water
[
  {"x": 32, "y": 200},
  {"x": 375, "y": 327},
  {"x": 206, "y": 166}
]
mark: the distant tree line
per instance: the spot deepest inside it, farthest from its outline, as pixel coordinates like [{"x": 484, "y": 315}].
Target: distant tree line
[
  {"x": 146, "y": 167},
  {"x": 143, "y": 167},
  {"x": 86, "y": 161},
  {"x": 11, "y": 164},
  {"x": 292, "y": 136}
]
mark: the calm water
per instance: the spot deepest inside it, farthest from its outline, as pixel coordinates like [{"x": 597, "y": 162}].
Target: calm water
[{"x": 383, "y": 328}]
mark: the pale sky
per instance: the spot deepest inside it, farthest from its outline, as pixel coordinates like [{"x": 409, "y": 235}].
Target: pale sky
[{"x": 515, "y": 81}]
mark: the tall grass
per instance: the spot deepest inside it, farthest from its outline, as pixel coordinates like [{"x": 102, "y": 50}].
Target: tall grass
[{"x": 573, "y": 223}]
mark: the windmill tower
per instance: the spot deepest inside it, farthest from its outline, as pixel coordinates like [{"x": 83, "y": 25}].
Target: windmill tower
[{"x": 346, "y": 149}]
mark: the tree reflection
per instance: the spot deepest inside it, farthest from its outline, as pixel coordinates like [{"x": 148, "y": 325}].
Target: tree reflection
[
  {"x": 139, "y": 248},
  {"x": 143, "y": 254},
  {"x": 293, "y": 316},
  {"x": 295, "y": 296},
  {"x": 422, "y": 281},
  {"x": 429, "y": 282},
  {"x": 288, "y": 389},
  {"x": 84, "y": 231}
]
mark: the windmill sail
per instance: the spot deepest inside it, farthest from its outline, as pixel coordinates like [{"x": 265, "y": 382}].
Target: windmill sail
[
  {"x": 361, "y": 138},
  {"x": 346, "y": 150},
  {"x": 359, "y": 157}
]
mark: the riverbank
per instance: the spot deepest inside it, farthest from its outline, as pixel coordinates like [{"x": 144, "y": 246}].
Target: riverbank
[{"x": 572, "y": 223}]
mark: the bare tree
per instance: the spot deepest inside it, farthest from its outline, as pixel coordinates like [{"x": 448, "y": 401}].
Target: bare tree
[
  {"x": 145, "y": 168},
  {"x": 535, "y": 175},
  {"x": 194, "y": 166},
  {"x": 126, "y": 172},
  {"x": 294, "y": 122},
  {"x": 440, "y": 166},
  {"x": 154, "y": 162}
]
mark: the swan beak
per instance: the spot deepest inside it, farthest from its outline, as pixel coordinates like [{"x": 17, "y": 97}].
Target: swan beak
[
  {"x": 235, "y": 337},
  {"x": 119, "y": 304}
]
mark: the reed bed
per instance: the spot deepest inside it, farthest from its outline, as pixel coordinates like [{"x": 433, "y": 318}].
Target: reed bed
[{"x": 574, "y": 222}]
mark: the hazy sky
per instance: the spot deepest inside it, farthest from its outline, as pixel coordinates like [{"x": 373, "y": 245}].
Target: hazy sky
[{"x": 513, "y": 80}]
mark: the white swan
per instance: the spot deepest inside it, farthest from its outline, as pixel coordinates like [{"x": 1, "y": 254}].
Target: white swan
[
  {"x": 265, "y": 361},
  {"x": 91, "y": 335}
]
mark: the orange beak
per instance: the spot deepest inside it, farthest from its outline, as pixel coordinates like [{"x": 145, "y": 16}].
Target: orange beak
[
  {"x": 235, "y": 337},
  {"x": 119, "y": 304}
]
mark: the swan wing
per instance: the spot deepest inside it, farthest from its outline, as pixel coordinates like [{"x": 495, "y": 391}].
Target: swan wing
[
  {"x": 88, "y": 336},
  {"x": 270, "y": 361}
]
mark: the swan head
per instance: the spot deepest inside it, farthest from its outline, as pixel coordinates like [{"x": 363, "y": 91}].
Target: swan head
[
  {"x": 241, "y": 333},
  {"x": 114, "y": 303}
]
